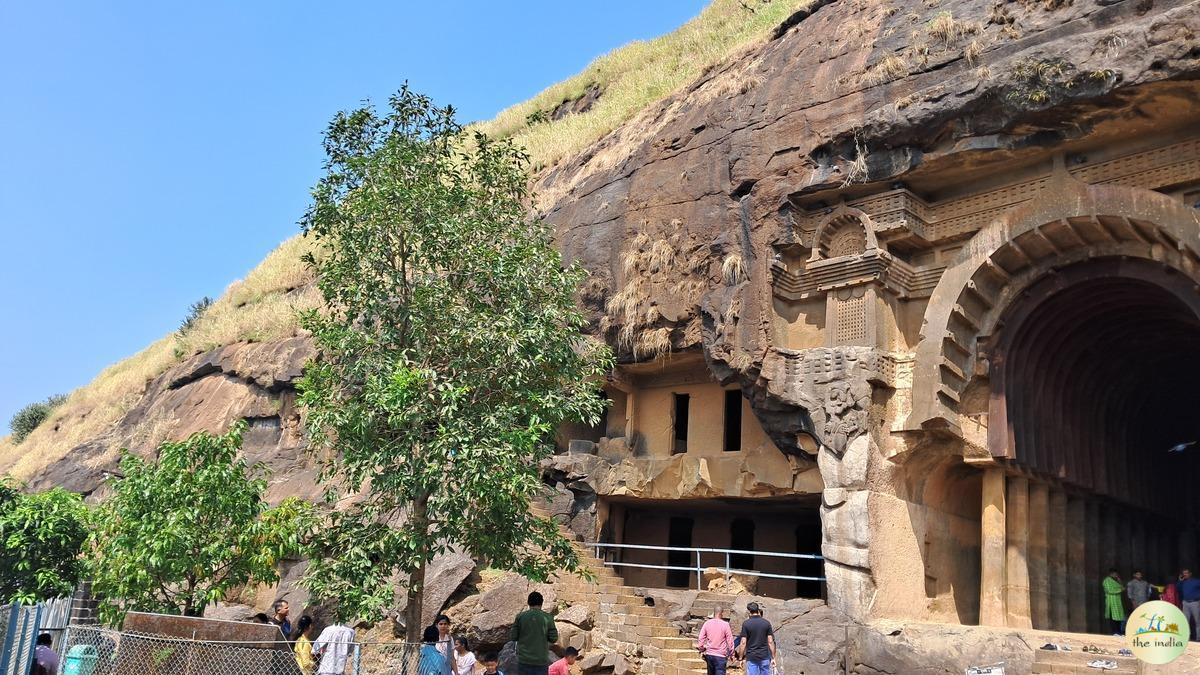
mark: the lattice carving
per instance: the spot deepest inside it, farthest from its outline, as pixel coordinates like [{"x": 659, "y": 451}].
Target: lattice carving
[
  {"x": 851, "y": 313},
  {"x": 849, "y": 240}
]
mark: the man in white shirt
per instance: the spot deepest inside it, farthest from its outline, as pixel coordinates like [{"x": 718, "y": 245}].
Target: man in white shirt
[{"x": 332, "y": 648}]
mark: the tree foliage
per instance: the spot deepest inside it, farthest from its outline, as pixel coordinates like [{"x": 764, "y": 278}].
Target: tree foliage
[
  {"x": 449, "y": 351},
  {"x": 181, "y": 532},
  {"x": 41, "y": 535},
  {"x": 31, "y": 416},
  {"x": 195, "y": 311}
]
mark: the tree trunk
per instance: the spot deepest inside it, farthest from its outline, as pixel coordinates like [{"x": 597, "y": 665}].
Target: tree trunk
[{"x": 416, "y": 578}]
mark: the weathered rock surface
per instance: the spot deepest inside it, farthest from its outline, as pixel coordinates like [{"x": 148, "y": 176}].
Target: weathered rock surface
[
  {"x": 254, "y": 382},
  {"x": 486, "y": 619}
]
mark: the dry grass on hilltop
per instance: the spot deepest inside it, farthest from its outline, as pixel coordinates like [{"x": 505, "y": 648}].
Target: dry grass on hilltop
[
  {"x": 634, "y": 76},
  {"x": 261, "y": 307}
]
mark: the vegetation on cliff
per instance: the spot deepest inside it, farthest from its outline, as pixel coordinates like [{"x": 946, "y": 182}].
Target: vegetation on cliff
[
  {"x": 40, "y": 538},
  {"x": 182, "y": 532}
]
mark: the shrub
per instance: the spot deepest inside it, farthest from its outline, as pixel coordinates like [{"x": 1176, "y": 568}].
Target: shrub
[
  {"x": 194, "y": 313},
  {"x": 31, "y": 416}
]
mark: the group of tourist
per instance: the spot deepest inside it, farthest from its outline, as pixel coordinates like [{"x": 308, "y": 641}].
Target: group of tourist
[
  {"x": 533, "y": 632},
  {"x": 754, "y": 645},
  {"x": 1183, "y": 592}
]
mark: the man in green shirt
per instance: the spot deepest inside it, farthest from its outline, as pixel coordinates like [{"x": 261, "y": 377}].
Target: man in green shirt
[{"x": 534, "y": 632}]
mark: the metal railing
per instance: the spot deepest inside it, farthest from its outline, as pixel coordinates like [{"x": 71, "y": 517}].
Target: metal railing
[{"x": 699, "y": 568}]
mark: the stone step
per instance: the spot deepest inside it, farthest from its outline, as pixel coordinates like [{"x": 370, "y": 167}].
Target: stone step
[
  {"x": 1066, "y": 661},
  {"x": 672, "y": 669},
  {"x": 689, "y": 657},
  {"x": 672, "y": 642}
]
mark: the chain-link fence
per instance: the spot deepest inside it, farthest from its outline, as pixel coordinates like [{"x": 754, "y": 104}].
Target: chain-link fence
[{"x": 89, "y": 650}]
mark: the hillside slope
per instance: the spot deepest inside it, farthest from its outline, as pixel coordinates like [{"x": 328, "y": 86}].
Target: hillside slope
[
  {"x": 561, "y": 120},
  {"x": 808, "y": 99}
]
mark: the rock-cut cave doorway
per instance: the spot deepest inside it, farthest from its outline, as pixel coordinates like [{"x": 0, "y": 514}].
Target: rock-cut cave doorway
[{"x": 1094, "y": 417}]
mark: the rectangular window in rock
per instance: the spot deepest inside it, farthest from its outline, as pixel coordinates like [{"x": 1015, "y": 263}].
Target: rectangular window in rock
[
  {"x": 682, "y": 402},
  {"x": 733, "y": 420}
]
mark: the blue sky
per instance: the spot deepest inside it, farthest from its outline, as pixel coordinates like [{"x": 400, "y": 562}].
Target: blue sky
[{"x": 155, "y": 152}]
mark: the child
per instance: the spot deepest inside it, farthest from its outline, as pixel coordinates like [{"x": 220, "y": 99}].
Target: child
[
  {"x": 303, "y": 646},
  {"x": 489, "y": 661},
  {"x": 563, "y": 665},
  {"x": 464, "y": 660}
]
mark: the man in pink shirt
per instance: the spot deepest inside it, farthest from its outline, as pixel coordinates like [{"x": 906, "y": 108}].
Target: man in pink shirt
[
  {"x": 563, "y": 665},
  {"x": 715, "y": 643}
]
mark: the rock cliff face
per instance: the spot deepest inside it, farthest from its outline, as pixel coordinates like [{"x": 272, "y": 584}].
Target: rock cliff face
[{"x": 849, "y": 93}]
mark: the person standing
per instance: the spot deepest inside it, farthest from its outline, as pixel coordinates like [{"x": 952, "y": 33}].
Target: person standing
[
  {"x": 757, "y": 646},
  {"x": 445, "y": 643},
  {"x": 1114, "y": 606},
  {"x": 534, "y": 632},
  {"x": 715, "y": 643},
  {"x": 303, "y": 648},
  {"x": 432, "y": 660},
  {"x": 333, "y": 648},
  {"x": 1189, "y": 599},
  {"x": 1138, "y": 589},
  {"x": 45, "y": 660},
  {"x": 281, "y": 609},
  {"x": 464, "y": 658}
]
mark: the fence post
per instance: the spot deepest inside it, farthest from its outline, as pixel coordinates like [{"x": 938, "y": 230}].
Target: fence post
[
  {"x": 358, "y": 658},
  {"x": 727, "y": 565},
  {"x": 10, "y": 634},
  {"x": 699, "y": 572}
]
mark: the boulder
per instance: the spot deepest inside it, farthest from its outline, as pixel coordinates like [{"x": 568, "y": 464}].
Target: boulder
[
  {"x": 486, "y": 619},
  {"x": 735, "y": 584},
  {"x": 443, "y": 577},
  {"x": 576, "y": 615}
]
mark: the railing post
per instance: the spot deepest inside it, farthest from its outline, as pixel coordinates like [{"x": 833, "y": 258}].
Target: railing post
[
  {"x": 727, "y": 565},
  {"x": 699, "y": 572},
  {"x": 358, "y": 659}
]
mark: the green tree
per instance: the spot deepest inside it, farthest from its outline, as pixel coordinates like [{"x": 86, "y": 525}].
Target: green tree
[
  {"x": 41, "y": 536},
  {"x": 450, "y": 348},
  {"x": 179, "y": 533},
  {"x": 31, "y": 416}
]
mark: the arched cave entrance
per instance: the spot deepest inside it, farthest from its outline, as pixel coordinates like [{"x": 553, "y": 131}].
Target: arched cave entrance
[{"x": 1094, "y": 378}]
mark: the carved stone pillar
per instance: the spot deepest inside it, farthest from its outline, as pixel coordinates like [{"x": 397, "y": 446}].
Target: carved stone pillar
[
  {"x": 1187, "y": 549},
  {"x": 1092, "y": 573},
  {"x": 1056, "y": 561},
  {"x": 992, "y": 545},
  {"x": 1076, "y": 538},
  {"x": 1123, "y": 542},
  {"x": 1108, "y": 540},
  {"x": 1016, "y": 559},
  {"x": 1139, "y": 552},
  {"x": 1039, "y": 582}
]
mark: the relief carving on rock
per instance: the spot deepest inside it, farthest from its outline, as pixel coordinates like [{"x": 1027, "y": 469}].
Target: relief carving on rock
[{"x": 845, "y": 416}]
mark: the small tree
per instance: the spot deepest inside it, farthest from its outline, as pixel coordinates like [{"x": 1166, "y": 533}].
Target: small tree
[
  {"x": 31, "y": 416},
  {"x": 195, "y": 311},
  {"x": 181, "y": 532},
  {"x": 41, "y": 536},
  {"x": 450, "y": 350}
]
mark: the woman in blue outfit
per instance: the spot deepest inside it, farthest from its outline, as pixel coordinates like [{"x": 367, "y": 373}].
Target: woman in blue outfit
[{"x": 432, "y": 662}]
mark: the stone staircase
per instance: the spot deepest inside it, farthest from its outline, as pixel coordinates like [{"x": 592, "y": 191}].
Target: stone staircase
[{"x": 624, "y": 623}]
